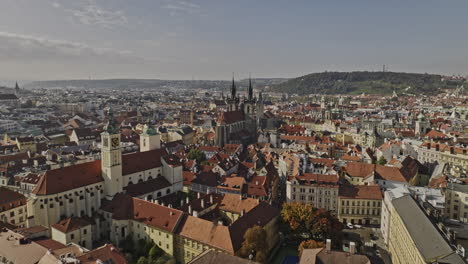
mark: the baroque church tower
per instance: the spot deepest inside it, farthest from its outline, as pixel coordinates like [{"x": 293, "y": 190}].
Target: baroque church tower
[
  {"x": 149, "y": 139},
  {"x": 111, "y": 158}
]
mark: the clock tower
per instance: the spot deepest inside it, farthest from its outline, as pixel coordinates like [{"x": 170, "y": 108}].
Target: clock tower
[{"x": 111, "y": 159}]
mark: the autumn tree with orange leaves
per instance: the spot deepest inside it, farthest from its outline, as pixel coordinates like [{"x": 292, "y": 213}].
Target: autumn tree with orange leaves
[
  {"x": 307, "y": 222},
  {"x": 306, "y": 244}
]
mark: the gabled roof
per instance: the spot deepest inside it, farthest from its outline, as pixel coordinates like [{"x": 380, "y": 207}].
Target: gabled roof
[
  {"x": 105, "y": 254},
  {"x": 371, "y": 192},
  {"x": 231, "y": 117},
  {"x": 141, "y": 161},
  {"x": 124, "y": 207},
  {"x": 146, "y": 187},
  {"x": 68, "y": 178},
  {"x": 71, "y": 224}
]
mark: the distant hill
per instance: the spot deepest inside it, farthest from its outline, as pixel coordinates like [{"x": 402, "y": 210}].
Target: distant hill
[
  {"x": 365, "y": 82},
  {"x": 149, "y": 84}
]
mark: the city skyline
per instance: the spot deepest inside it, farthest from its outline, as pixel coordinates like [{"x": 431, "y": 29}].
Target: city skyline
[{"x": 175, "y": 39}]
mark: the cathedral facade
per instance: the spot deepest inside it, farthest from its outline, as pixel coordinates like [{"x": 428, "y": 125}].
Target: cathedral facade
[{"x": 240, "y": 123}]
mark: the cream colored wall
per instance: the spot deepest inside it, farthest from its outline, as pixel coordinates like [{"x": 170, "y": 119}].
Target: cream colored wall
[
  {"x": 357, "y": 210},
  {"x": 19, "y": 217},
  {"x": 143, "y": 175},
  {"x": 46, "y": 215},
  {"x": 456, "y": 205},
  {"x": 82, "y": 236},
  {"x": 401, "y": 247},
  {"x": 320, "y": 197}
]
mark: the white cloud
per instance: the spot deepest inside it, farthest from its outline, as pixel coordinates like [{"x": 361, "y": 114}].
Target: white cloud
[
  {"x": 90, "y": 13},
  {"x": 26, "y": 47},
  {"x": 180, "y": 7},
  {"x": 94, "y": 15}
]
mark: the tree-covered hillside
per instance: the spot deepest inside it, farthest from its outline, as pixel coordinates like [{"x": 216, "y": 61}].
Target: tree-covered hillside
[{"x": 364, "y": 82}]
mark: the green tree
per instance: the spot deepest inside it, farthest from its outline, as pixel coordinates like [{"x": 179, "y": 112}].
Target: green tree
[
  {"x": 381, "y": 161},
  {"x": 255, "y": 242},
  {"x": 142, "y": 260},
  {"x": 196, "y": 154},
  {"x": 155, "y": 252}
]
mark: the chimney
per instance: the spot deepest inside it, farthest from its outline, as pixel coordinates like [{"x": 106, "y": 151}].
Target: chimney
[
  {"x": 198, "y": 195},
  {"x": 211, "y": 199},
  {"x": 195, "y": 213},
  {"x": 190, "y": 209},
  {"x": 187, "y": 200},
  {"x": 203, "y": 203},
  {"x": 220, "y": 222},
  {"x": 352, "y": 248},
  {"x": 242, "y": 212},
  {"x": 328, "y": 245}
]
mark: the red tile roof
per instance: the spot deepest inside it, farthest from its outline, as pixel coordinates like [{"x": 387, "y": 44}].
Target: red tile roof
[
  {"x": 68, "y": 178},
  {"x": 106, "y": 254},
  {"x": 369, "y": 192},
  {"x": 71, "y": 224},
  {"x": 124, "y": 207},
  {"x": 141, "y": 161}
]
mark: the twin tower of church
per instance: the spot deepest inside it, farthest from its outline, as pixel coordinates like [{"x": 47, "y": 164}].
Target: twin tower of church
[{"x": 239, "y": 124}]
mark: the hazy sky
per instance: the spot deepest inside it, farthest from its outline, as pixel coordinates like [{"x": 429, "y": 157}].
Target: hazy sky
[{"x": 210, "y": 39}]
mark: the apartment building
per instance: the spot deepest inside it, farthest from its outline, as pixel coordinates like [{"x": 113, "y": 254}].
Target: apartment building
[
  {"x": 13, "y": 207},
  {"x": 414, "y": 239},
  {"x": 317, "y": 189},
  {"x": 360, "y": 204}
]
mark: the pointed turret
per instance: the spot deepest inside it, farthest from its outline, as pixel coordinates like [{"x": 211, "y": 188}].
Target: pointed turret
[
  {"x": 250, "y": 89},
  {"x": 233, "y": 88}
]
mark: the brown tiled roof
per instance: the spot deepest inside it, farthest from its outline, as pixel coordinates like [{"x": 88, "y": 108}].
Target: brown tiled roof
[
  {"x": 231, "y": 117},
  {"x": 365, "y": 170},
  {"x": 124, "y": 207},
  {"x": 31, "y": 178},
  {"x": 207, "y": 232},
  {"x": 188, "y": 177},
  {"x": 10, "y": 199},
  {"x": 236, "y": 204},
  {"x": 141, "y": 161},
  {"x": 320, "y": 179},
  {"x": 147, "y": 186},
  {"x": 68, "y": 178},
  {"x": 234, "y": 182},
  {"x": 106, "y": 254},
  {"x": 371, "y": 192},
  {"x": 71, "y": 224},
  {"x": 435, "y": 134},
  {"x": 207, "y": 178},
  {"x": 13, "y": 157},
  {"x": 172, "y": 160},
  {"x": 214, "y": 257},
  {"x": 48, "y": 243}
]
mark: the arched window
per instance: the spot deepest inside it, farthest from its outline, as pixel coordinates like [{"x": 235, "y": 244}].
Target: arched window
[
  {"x": 159, "y": 194},
  {"x": 168, "y": 191}
]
